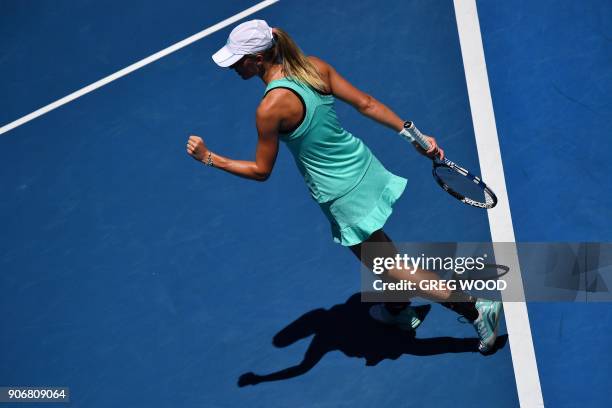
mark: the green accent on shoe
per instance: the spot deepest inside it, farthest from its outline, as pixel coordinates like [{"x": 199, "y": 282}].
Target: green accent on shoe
[
  {"x": 405, "y": 320},
  {"x": 489, "y": 313}
]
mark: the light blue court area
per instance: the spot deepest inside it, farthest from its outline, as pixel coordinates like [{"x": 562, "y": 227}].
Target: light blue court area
[
  {"x": 550, "y": 68},
  {"x": 137, "y": 277}
]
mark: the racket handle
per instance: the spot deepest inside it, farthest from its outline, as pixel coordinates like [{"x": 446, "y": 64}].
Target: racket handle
[{"x": 412, "y": 134}]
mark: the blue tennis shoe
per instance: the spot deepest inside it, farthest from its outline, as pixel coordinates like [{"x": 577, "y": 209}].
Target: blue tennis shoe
[
  {"x": 489, "y": 313},
  {"x": 406, "y": 320}
]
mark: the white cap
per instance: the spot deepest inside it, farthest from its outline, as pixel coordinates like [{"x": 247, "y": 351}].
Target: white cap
[{"x": 247, "y": 38}]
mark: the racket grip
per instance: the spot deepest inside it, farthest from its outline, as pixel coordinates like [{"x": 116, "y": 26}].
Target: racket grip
[{"x": 411, "y": 133}]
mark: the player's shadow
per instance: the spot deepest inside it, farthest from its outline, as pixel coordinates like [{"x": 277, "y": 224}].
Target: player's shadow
[{"x": 348, "y": 328}]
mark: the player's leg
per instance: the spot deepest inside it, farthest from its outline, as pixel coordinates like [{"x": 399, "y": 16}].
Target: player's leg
[
  {"x": 386, "y": 249},
  {"x": 482, "y": 313},
  {"x": 395, "y": 313}
]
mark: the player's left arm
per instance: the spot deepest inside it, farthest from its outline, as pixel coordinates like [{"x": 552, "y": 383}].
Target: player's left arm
[{"x": 268, "y": 122}]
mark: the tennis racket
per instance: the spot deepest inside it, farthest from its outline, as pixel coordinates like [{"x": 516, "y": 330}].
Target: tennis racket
[{"x": 454, "y": 179}]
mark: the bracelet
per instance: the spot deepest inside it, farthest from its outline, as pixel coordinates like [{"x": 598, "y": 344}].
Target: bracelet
[{"x": 209, "y": 161}]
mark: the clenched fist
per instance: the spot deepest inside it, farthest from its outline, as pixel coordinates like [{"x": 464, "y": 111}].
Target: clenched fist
[{"x": 196, "y": 148}]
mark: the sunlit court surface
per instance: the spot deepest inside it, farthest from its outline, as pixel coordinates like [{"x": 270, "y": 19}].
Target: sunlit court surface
[{"x": 134, "y": 276}]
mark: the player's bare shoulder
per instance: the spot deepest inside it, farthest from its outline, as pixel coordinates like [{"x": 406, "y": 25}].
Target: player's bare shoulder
[
  {"x": 322, "y": 67},
  {"x": 276, "y": 100},
  {"x": 277, "y": 106}
]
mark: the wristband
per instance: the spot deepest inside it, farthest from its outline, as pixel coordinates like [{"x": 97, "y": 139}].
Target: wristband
[{"x": 209, "y": 161}]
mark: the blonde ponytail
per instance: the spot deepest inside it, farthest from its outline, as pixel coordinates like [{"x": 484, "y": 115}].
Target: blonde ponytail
[{"x": 295, "y": 64}]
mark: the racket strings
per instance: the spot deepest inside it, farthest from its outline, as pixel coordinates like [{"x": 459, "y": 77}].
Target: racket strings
[{"x": 463, "y": 185}]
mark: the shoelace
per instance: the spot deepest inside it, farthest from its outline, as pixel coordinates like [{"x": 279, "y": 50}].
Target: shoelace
[
  {"x": 480, "y": 325},
  {"x": 481, "y": 328}
]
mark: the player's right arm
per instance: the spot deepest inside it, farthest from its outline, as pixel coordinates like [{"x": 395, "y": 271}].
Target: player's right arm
[{"x": 366, "y": 104}]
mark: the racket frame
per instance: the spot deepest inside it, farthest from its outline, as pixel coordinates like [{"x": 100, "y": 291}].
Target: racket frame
[
  {"x": 464, "y": 172},
  {"x": 412, "y": 134}
]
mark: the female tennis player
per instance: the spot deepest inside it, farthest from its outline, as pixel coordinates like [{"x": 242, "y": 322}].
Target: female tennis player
[{"x": 349, "y": 183}]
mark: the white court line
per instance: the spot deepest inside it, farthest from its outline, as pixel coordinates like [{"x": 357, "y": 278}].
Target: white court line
[
  {"x": 127, "y": 70},
  {"x": 500, "y": 218}
]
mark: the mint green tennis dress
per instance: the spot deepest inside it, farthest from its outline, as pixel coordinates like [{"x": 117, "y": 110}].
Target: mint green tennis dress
[{"x": 352, "y": 187}]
